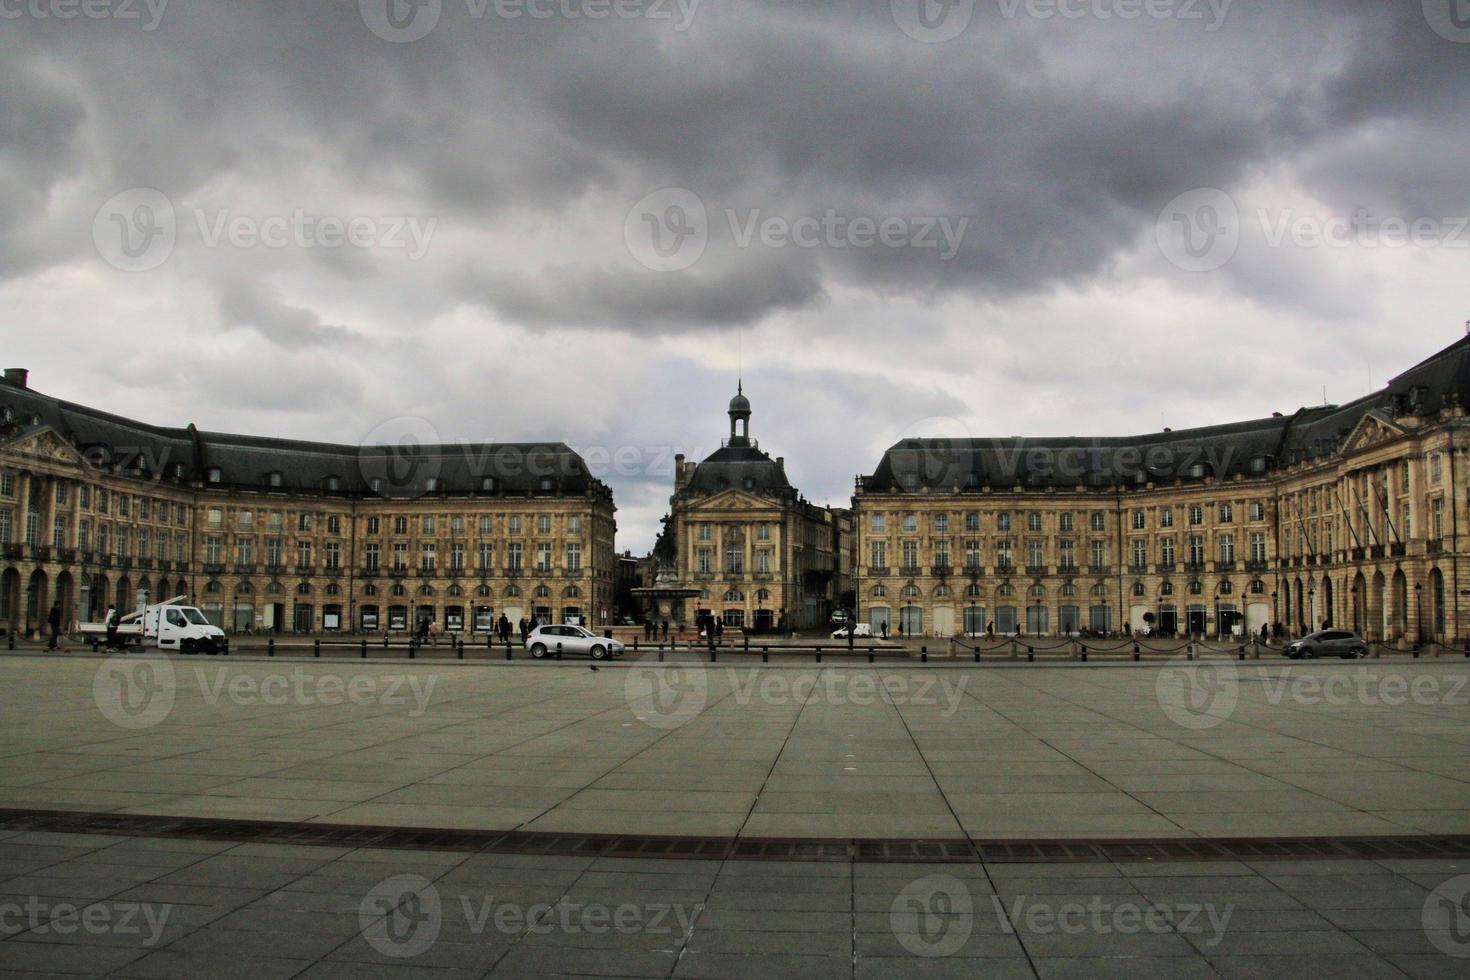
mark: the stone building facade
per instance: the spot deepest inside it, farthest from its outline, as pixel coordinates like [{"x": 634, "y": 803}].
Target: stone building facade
[
  {"x": 271, "y": 535},
  {"x": 762, "y": 556},
  {"x": 1350, "y": 515}
]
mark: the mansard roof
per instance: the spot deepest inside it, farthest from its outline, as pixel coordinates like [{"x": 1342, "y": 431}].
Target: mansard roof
[
  {"x": 188, "y": 455},
  {"x": 1250, "y": 448},
  {"x": 739, "y": 468}
]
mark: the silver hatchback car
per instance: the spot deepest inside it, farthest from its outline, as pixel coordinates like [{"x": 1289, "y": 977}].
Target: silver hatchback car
[
  {"x": 573, "y": 640},
  {"x": 1328, "y": 643}
]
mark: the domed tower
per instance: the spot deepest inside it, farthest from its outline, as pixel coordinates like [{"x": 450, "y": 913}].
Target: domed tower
[{"x": 740, "y": 417}]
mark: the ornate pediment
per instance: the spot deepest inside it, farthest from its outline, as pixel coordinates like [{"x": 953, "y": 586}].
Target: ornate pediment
[
  {"x": 1373, "y": 429},
  {"x": 736, "y": 500},
  {"x": 43, "y": 445}
]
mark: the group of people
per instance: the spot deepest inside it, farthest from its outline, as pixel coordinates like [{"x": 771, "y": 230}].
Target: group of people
[
  {"x": 651, "y": 629},
  {"x": 428, "y": 630}
]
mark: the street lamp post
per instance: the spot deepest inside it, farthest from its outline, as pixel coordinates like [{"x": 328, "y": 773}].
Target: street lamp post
[
  {"x": 1275, "y": 617},
  {"x": 1419, "y": 609},
  {"x": 1312, "y": 606},
  {"x": 30, "y": 599}
]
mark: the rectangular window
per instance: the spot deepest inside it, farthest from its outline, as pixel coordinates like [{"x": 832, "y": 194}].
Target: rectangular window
[
  {"x": 574, "y": 557},
  {"x": 1166, "y": 551},
  {"x": 400, "y": 525},
  {"x": 486, "y": 556},
  {"x": 879, "y": 523},
  {"x": 1227, "y": 548},
  {"x": 1099, "y": 553},
  {"x": 213, "y": 550},
  {"x": 487, "y": 525},
  {"x": 181, "y": 549},
  {"x": 1258, "y": 511},
  {"x": 1196, "y": 549},
  {"x": 371, "y": 558},
  {"x": 426, "y": 525},
  {"x": 456, "y": 524},
  {"x": 333, "y": 554},
  {"x": 303, "y": 522},
  {"x": 273, "y": 552},
  {"x": 58, "y": 532},
  {"x": 456, "y": 556},
  {"x": 1436, "y": 468},
  {"x": 1068, "y": 554},
  {"x": 734, "y": 559},
  {"x": 514, "y": 525},
  {"x": 143, "y": 545},
  {"x": 513, "y": 554},
  {"x": 33, "y": 528},
  {"x": 61, "y": 493},
  {"x": 972, "y": 555},
  {"x": 102, "y": 539},
  {"x": 7, "y": 483},
  {"x": 705, "y": 562},
  {"x": 244, "y": 551},
  {"x": 84, "y": 533},
  {"x": 400, "y": 556},
  {"x": 1035, "y": 553},
  {"x": 910, "y": 523},
  {"x": 1003, "y": 522},
  {"x": 1227, "y": 513},
  {"x": 763, "y": 561},
  {"x": 1258, "y": 546},
  {"x": 941, "y": 523},
  {"x": 303, "y": 554},
  {"x": 1099, "y": 521},
  {"x": 1004, "y": 557},
  {"x": 543, "y": 524},
  {"x": 1139, "y": 520},
  {"x": 1033, "y": 521},
  {"x": 1066, "y": 526},
  {"x": 543, "y": 557},
  {"x": 372, "y": 525},
  {"x": 704, "y": 532},
  {"x": 763, "y": 532},
  {"x": 1436, "y": 520},
  {"x": 910, "y": 555},
  {"x": 941, "y": 553},
  {"x": 879, "y": 554},
  {"x": 972, "y": 522},
  {"x": 143, "y": 505},
  {"x": 1140, "y": 553},
  {"x": 334, "y": 524},
  {"x": 428, "y": 556},
  {"x": 1196, "y": 515},
  {"x": 574, "y": 523}
]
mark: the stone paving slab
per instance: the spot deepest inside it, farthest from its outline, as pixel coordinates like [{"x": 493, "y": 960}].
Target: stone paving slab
[{"x": 1209, "y": 749}]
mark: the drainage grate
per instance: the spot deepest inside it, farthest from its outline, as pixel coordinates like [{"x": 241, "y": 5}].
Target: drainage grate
[{"x": 742, "y": 849}]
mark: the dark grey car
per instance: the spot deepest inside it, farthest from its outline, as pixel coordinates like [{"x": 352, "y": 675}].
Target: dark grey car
[{"x": 1328, "y": 643}]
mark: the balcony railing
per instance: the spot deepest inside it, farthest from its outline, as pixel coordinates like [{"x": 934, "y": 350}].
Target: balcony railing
[
  {"x": 244, "y": 568},
  {"x": 1376, "y": 551},
  {"x": 910, "y": 570},
  {"x": 1099, "y": 569},
  {"x": 66, "y": 555},
  {"x": 1035, "y": 569},
  {"x": 214, "y": 568},
  {"x": 1166, "y": 567},
  {"x": 1398, "y": 550},
  {"x": 1225, "y": 566},
  {"x": 1257, "y": 565},
  {"x": 878, "y": 571},
  {"x": 941, "y": 571}
]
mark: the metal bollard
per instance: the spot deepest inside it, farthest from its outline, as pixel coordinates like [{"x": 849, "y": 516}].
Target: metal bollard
[
  {"x": 412, "y": 649},
  {"x": 270, "y": 647},
  {"x": 923, "y": 655},
  {"x": 1136, "y": 655},
  {"x": 819, "y": 654},
  {"x": 660, "y": 653},
  {"x": 1084, "y": 653},
  {"x": 385, "y": 641},
  {"x": 316, "y": 648},
  {"x": 870, "y": 655},
  {"x": 558, "y": 651},
  {"x": 765, "y": 655},
  {"x": 747, "y": 645},
  {"x": 1030, "y": 655},
  {"x": 364, "y": 649},
  {"x": 714, "y": 655},
  {"x": 507, "y": 651},
  {"x": 11, "y": 640},
  {"x": 460, "y": 649}
]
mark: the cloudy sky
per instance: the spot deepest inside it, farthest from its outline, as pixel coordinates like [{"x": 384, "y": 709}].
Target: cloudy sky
[{"x": 577, "y": 219}]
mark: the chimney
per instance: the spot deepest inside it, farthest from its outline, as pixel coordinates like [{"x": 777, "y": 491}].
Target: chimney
[{"x": 17, "y": 377}]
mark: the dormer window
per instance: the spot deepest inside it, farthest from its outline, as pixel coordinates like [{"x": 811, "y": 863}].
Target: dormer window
[
  {"x": 487, "y": 484},
  {"x": 334, "y": 484},
  {"x": 213, "y": 475},
  {"x": 178, "y": 471},
  {"x": 1258, "y": 464},
  {"x": 273, "y": 480},
  {"x": 1197, "y": 471},
  {"x": 546, "y": 483},
  {"x": 431, "y": 484}
]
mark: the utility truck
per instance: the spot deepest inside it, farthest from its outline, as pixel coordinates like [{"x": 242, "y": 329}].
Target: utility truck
[{"x": 167, "y": 625}]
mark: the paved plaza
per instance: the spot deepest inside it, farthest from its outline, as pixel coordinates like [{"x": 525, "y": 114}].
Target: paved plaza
[{"x": 1219, "y": 749}]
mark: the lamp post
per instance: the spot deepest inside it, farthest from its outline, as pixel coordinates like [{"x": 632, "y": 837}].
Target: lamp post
[
  {"x": 1357, "y": 611},
  {"x": 30, "y": 598},
  {"x": 1419, "y": 609},
  {"x": 1275, "y": 618},
  {"x": 1312, "y": 607}
]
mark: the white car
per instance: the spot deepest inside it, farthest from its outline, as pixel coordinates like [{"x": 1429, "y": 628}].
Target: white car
[
  {"x": 574, "y": 640},
  {"x": 863, "y": 629}
]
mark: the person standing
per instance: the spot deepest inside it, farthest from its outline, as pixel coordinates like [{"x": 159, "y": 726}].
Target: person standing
[
  {"x": 53, "y": 620},
  {"x": 110, "y": 621},
  {"x": 666, "y": 629}
]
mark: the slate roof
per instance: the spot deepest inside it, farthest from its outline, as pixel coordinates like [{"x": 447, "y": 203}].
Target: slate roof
[
  {"x": 739, "y": 468},
  {"x": 186, "y": 455},
  {"x": 1221, "y": 451}
]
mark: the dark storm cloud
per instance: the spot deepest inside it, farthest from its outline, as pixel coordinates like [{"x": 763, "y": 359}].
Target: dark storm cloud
[{"x": 1057, "y": 140}]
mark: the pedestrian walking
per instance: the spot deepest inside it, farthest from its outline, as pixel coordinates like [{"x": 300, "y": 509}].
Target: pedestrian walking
[
  {"x": 53, "y": 620},
  {"x": 110, "y": 621},
  {"x": 666, "y": 629}
]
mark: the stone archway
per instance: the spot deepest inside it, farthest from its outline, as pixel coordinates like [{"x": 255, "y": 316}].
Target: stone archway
[
  {"x": 1400, "y": 613},
  {"x": 1435, "y": 605},
  {"x": 1359, "y": 593},
  {"x": 1378, "y": 608},
  {"x": 38, "y": 600},
  {"x": 66, "y": 595},
  {"x": 12, "y": 614}
]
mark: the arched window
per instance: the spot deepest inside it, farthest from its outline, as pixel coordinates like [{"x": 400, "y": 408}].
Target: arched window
[
  {"x": 369, "y": 589},
  {"x": 1069, "y": 590},
  {"x": 333, "y": 589},
  {"x": 1258, "y": 587},
  {"x": 1138, "y": 589},
  {"x": 304, "y": 588},
  {"x": 1099, "y": 591},
  {"x": 1166, "y": 589},
  {"x": 398, "y": 589},
  {"x": 1005, "y": 591},
  {"x": 764, "y": 595},
  {"x": 210, "y": 586},
  {"x": 910, "y": 591},
  {"x": 542, "y": 592},
  {"x": 972, "y": 591},
  {"x": 1039, "y": 591},
  {"x": 512, "y": 591},
  {"x": 426, "y": 590},
  {"x": 1196, "y": 587},
  {"x": 877, "y": 592},
  {"x": 1226, "y": 588},
  {"x": 456, "y": 591},
  {"x": 941, "y": 592},
  {"x": 734, "y": 595},
  {"x": 572, "y": 592}
]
